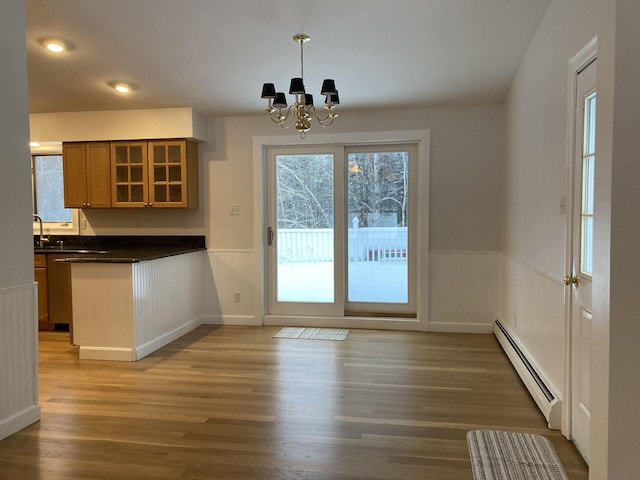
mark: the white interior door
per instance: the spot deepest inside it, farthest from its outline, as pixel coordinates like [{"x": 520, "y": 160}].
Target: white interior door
[{"x": 579, "y": 279}]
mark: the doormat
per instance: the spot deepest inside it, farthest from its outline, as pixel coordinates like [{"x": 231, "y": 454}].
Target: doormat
[
  {"x": 313, "y": 333},
  {"x": 509, "y": 456}
]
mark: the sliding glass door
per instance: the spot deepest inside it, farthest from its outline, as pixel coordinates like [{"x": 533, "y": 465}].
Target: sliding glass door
[
  {"x": 340, "y": 231},
  {"x": 381, "y": 219}
]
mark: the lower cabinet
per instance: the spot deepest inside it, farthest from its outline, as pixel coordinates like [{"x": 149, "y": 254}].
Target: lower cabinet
[
  {"x": 54, "y": 291},
  {"x": 59, "y": 274},
  {"x": 41, "y": 278}
]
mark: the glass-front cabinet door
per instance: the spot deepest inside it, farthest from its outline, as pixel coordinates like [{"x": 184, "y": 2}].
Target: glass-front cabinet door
[
  {"x": 129, "y": 174},
  {"x": 167, "y": 174}
]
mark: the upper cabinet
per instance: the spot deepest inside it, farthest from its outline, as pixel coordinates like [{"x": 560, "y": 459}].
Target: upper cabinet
[
  {"x": 87, "y": 175},
  {"x": 155, "y": 174},
  {"x": 136, "y": 174}
]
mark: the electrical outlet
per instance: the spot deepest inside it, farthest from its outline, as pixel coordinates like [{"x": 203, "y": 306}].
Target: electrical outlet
[
  {"x": 236, "y": 297},
  {"x": 234, "y": 209},
  {"x": 83, "y": 223}
]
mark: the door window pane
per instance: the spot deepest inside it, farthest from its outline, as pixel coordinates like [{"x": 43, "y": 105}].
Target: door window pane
[
  {"x": 305, "y": 228},
  {"x": 378, "y": 249},
  {"x": 588, "y": 168}
]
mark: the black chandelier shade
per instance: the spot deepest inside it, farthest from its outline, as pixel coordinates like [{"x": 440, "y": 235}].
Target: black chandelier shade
[
  {"x": 268, "y": 90},
  {"x": 280, "y": 100},
  {"x": 297, "y": 88}
]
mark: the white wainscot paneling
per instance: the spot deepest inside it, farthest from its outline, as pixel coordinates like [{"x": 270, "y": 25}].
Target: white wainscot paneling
[
  {"x": 463, "y": 291},
  {"x": 168, "y": 299},
  {"x": 125, "y": 311},
  {"x": 232, "y": 274},
  {"x": 18, "y": 359},
  {"x": 532, "y": 308}
]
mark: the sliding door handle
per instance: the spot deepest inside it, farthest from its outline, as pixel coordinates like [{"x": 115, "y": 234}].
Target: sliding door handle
[{"x": 270, "y": 236}]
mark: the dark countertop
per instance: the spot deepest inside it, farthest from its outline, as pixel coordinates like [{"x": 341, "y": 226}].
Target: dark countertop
[{"x": 122, "y": 249}]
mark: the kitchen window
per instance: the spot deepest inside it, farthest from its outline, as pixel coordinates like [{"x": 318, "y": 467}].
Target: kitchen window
[{"x": 48, "y": 196}]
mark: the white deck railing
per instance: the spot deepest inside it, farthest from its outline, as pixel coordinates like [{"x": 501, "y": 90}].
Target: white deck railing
[{"x": 370, "y": 244}]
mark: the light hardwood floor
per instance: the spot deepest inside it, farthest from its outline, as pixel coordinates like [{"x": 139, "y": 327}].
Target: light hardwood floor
[{"x": 235, "y": 403}]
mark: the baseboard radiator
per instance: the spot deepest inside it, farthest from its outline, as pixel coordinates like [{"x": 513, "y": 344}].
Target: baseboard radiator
[{"x": 548, "y": 401}]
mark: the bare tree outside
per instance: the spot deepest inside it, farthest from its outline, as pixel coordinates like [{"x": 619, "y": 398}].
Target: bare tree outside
[
  {"x": 305, "y": 191},
  {"x": 378, "y": 188},
  {"x": 376, "y": 212}
]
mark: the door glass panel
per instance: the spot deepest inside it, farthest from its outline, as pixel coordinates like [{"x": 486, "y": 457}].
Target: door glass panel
[
  {"x": 174, "y": 154},
  {"x": 588, "y": 168},
  {"x": 158, "y": 154},
  {"x": 121, "y": 154},
  {"x": 135, "y": 155},
  {"x": 304, "y": 200},
  {"x": 378, "y": 249}
]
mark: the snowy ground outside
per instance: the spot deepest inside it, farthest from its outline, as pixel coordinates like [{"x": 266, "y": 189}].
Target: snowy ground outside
[{"x": 377, "y": 281}]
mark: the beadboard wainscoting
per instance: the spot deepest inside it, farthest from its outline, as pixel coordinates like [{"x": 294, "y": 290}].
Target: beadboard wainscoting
[
  {"x": 532, "y": 309},
  {"x": 464, "y": 291},
  {"x": 124, "y": 311},
  {"x": 168, "y": 299},
  {"x": 463, "y": 296},
  {"x": 18, "y": 358},
  {"x": 232, "y": 277}
]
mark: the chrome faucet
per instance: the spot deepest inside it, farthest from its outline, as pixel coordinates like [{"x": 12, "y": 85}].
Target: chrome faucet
[{"x": 41, "y": 239}]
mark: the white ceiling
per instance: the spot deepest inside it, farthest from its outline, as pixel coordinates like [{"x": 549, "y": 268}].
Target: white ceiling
[{"x": 214, "y": 55}]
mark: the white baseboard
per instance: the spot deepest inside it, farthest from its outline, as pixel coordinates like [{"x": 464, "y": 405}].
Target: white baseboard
[
  {"x": 371, "y": 323},
  {"x": 239, "y": 320},
  {"x": 447, "y": 327},
  {"x": 165, "y": 339},
  {"x": 107, "y": 353},
  {"x": 20, "y": 420}
]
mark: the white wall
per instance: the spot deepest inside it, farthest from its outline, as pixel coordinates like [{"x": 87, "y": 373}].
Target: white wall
[
  {"x": 532, "y": 291},
  {"x": 465, "y": 191},
  {"x": 534, "y": 237},
  {"x": 18, "y": 322},
  {"x": 466, "y": 169},
  {"x": 615, "y": 429}
]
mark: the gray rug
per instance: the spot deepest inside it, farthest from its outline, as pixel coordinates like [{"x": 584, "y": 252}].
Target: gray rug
[
  {"x": 513, "y": 456},
  {"x": 313, "y": 333}
]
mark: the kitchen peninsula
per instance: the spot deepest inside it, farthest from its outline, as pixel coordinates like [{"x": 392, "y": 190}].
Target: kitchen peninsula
[{"x": 135, "y": 294}]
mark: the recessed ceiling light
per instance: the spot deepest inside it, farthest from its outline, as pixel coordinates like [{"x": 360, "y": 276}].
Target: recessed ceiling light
[
  {"x": 121, "y": 87},
  {"x": 54, "y": 45}
]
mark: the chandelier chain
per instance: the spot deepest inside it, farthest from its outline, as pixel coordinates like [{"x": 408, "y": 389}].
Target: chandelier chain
[{"x": 302, "y": 60}]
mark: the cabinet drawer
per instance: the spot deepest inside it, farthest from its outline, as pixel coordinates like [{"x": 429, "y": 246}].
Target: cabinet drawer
[{"x": 40, "y": 260}]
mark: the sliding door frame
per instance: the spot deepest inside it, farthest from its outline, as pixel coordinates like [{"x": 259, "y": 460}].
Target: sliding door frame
[{"x": 260, "y": 146}]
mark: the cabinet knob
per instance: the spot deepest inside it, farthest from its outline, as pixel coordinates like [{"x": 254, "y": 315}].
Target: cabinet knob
[{"x": 151, "y": 204}]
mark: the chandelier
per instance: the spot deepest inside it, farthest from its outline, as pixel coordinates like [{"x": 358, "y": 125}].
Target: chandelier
[{"x": 302, "y": 110}]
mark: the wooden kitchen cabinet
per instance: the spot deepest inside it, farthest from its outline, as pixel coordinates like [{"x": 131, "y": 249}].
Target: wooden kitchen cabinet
[
  {"x": 59, "y": 274},
  {"x": 87, "y": 174},
  {"x": 40, "y": 276},
  {"x": 155, "y": 174},
  {"x": 129, "y": 172}
]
